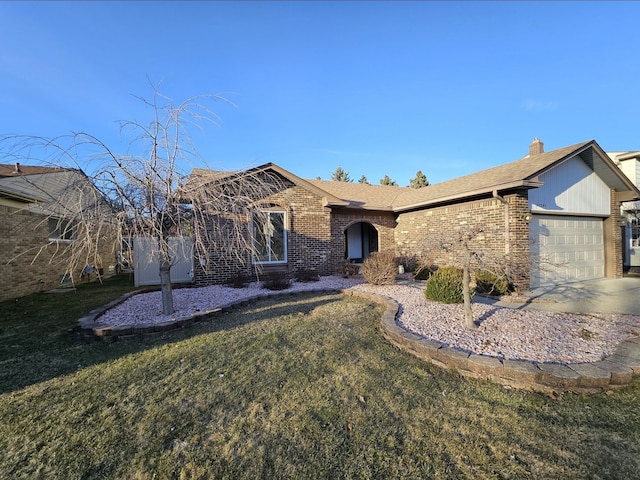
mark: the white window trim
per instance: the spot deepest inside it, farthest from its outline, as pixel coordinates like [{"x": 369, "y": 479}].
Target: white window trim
[{"x": 286, "y": 234}]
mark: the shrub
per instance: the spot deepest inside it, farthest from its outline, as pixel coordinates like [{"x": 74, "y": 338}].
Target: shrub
[
  {"x": 380, "y": 268},
  {"x": 445, "y": 285},
  {"x": 491, "y": 284},
  {"x": 410, "y": 263},
  {"x": 238, "y": 280},
  {"x": 424, "y": 269},
  {"x": 276, "y": 281},
  {"x": 347, "y": 269},
  {"x": 306, "y": 276}
]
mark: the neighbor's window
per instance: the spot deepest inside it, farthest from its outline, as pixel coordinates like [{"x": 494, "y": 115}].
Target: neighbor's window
[
  {"x": 60, "y": 229},
  {"x": 635, "y": 232},
  {"x": 270, "y": 237}
]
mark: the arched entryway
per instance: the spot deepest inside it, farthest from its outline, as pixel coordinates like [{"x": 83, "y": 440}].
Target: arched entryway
[{"x": 361, "y": 240}]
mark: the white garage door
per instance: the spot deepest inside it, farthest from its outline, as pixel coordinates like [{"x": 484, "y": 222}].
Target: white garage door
[{"x": 573, "y": 246}]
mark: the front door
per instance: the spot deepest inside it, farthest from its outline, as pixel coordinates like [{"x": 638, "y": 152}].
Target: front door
[{"x": 361, "y": 241}]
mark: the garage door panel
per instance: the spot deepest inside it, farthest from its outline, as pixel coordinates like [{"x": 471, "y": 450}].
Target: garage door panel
[{"x": 575, "y": 245}]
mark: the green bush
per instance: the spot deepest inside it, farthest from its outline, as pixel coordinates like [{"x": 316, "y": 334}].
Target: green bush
[
  {"x": 445, "y": 285},
  {"x": 424, "y": 273},
  {"x": 380, "y": 268},
  {"x": 491, "y": 284},
  {"x": 425, "y": 267}
]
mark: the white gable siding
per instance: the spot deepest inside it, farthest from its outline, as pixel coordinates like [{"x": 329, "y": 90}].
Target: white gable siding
[{"x": 571, "y": 187}]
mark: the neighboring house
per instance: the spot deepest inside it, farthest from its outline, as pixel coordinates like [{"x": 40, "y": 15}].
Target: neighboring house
[
  {"x": 563, "y": 204},
  {"x": 39, "y": 210},
  {"x": 629, "y": 163}
]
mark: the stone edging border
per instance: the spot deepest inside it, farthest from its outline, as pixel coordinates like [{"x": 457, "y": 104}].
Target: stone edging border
[{"x": 614, "y": 371}]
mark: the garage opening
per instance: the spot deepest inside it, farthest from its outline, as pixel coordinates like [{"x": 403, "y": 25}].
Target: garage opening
[{"x": 569, "y": 248}]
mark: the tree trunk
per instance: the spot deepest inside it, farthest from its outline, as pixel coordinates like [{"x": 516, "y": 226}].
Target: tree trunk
[
  {"x": 165, "y": 287},
  {"x": 466, "y": 295}
]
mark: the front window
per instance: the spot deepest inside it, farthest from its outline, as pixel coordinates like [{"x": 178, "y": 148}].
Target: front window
[
  {"x": 270, "y": 237},
  {"x": 60, "y": 229}
]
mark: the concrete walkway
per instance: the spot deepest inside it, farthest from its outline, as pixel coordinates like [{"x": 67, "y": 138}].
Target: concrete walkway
[{"x": 605, "y": 295}]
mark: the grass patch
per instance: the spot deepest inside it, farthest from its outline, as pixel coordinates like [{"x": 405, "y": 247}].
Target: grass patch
[{"x": 301, "y": 388}]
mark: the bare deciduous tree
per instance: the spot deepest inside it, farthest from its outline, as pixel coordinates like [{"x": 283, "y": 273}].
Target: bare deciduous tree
[
  {"x": 470, "y": 248},
  {"x": 147, "y": 191}
]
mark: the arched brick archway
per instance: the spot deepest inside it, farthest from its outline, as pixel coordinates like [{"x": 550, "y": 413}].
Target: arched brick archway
[{"x": 360, "y": 241}]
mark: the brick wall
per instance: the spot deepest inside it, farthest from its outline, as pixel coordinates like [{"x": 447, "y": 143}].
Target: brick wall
[
  {"x": 341, "y": 220},
  {"x": 507, "y": 230},
  {"x": 315, "y": 237},
  {"x": 308, "y": 239},
  {"x": 28, "y": 264},
  {"x": 613, "y": 236}
]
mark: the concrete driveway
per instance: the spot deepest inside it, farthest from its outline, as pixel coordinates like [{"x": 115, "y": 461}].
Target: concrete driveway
[{"x": 605, "y": 295}]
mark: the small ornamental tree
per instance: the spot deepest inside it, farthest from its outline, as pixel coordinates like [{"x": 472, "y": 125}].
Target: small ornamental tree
[{"x": 469, "y": 249}]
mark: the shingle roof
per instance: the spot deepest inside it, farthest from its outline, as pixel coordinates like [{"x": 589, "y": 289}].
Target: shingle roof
[
  {"x": 359, "y": 195},
  {"x": 522, "y": 173},
  {"x": 52, "y": 191}
]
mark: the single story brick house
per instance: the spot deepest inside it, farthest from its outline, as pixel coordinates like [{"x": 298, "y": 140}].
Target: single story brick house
[
  {"x": 38, "y": 211},
  {"x": 564, "y": 203}
]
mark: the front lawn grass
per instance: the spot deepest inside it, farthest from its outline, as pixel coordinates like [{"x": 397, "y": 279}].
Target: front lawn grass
[{"x": 302, "y": 387}]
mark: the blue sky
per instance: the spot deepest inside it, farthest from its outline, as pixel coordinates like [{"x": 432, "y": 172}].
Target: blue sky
[{"x": 378, "y": 88}]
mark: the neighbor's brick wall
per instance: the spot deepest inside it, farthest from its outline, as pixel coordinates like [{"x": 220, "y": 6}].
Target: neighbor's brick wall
[
  {"x": 415, "y": 229},
  {"x": 22, "y": 235}
]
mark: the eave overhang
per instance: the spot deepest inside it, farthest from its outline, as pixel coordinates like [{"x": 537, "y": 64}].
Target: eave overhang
[{"x": 481, "y": 192}]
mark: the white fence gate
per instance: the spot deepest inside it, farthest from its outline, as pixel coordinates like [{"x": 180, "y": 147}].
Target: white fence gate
[{"x": 146, "y": 269}]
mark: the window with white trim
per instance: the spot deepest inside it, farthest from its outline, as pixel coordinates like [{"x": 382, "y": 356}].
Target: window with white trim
[{"x": 270, "y": 237}]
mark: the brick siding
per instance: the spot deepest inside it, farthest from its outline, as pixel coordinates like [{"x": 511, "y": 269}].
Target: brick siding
[
  {"x": 414, "y": 229},
  {"x": 28, "y": 264},
  {"x": 315, "y": 237}
]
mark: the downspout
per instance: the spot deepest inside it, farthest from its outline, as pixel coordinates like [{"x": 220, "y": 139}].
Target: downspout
[{"x": 507, "y": 237}]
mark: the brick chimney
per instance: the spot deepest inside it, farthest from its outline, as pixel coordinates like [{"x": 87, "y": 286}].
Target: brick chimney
[{"x": 536, "y": 147}]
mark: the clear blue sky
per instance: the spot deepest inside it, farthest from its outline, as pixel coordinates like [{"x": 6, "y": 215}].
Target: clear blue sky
[{"x": 375, "y": 87}]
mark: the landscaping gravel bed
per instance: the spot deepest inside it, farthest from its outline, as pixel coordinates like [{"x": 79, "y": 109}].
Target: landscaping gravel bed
[{"x": 502, "y": 332}]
